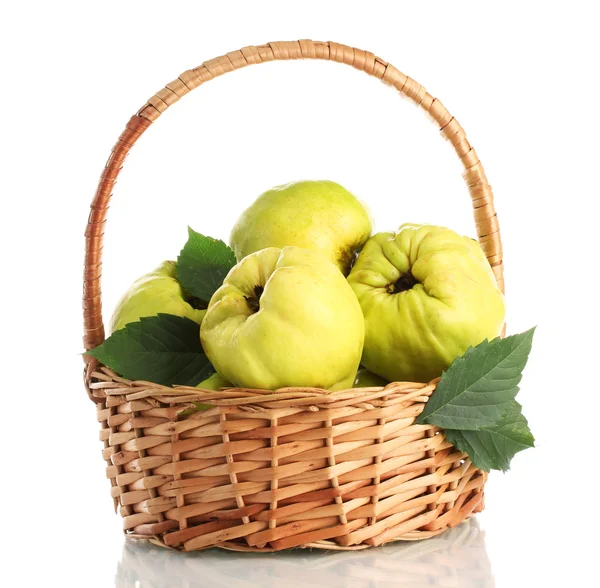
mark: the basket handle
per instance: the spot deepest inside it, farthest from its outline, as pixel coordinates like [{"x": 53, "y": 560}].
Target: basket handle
[{"x": 486, "y": 221}]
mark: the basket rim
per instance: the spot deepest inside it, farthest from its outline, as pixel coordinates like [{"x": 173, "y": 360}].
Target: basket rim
[{"x": 109, "y": 383}]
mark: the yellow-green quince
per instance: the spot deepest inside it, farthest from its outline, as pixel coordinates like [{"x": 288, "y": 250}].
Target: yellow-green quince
[
  {"x": 214, "y": 382},
  {"x": 318, "y": 215},
  {"x": 427, "y": 294},
  {"x": 154, "y": 293},
  {"x": 284, "y": 317},
  {"x": 366, "y": 379}
]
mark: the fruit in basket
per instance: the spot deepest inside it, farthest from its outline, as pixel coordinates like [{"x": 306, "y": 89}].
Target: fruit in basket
[
  {"x": 366, "y": 379},
  {"x": 214, "y": 382},
  {"x": 318, "y": 215},
  {"x": 427, "y": 295},
  {"x": 284, "y": 317},
  {"x": 153, "y": 293}
]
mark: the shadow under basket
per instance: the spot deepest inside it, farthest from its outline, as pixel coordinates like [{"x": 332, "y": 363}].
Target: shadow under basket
[{"x": 269, "y": 470}]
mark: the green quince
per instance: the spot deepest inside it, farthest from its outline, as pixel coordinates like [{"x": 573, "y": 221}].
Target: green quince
[
  {"x": 366, "y": 379},
  {"x": 214, "y": 382},
  {"x": 154, "y": 293},
  {"x": 284, "y": 317},
  {"x": 318, "y": 215},
  {"x": 427, "y": 295}
]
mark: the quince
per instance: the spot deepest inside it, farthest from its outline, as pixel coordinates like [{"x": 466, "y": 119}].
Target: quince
[
  {"x": 284, "y": 317},
  {"x": 154, "y": 293},
  {"x": 427, "y": 295},
  {"x": 318, "y": 215},
  {"x": 366, "y": 379}
]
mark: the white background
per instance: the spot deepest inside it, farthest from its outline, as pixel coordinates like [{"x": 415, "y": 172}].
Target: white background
[{"x": 522, "y": 78}]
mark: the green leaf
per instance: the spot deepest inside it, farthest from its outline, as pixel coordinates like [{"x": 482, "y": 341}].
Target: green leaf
[
  {"x": 203, "y": 264},
  {"x": 164, "y": 349},
  {"x": 197, "y": 407},
  {"x": 495, "y": 446},
  {"x": 477, "y": 389}
]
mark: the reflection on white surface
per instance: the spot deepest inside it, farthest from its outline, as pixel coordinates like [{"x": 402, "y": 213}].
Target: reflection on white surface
[{"x": 457, "y": 558}]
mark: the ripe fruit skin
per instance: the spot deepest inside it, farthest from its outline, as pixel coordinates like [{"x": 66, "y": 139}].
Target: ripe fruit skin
[
  {"x": 427, "y": 294},
  {"x": 318, "y": 215},
  {"x": 284, "y": 317},
  {"x": 214, "y": 382},
  {"x": 366, "y": 379},
  {"x": 154, "y": 293}
]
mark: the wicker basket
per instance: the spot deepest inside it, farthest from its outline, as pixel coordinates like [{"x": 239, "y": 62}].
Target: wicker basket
[{"x": 270, "y": 470}]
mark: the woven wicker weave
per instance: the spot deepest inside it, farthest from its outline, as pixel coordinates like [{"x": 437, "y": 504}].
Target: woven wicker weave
[{"x": 269, "y": 470}]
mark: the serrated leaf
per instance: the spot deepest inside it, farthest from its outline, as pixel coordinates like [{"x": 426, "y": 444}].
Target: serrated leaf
[
  {"x": 164, "y": 349},
  {"x": 495, "y": 446},
  {"x": 477, "y": 389},
  {"x": 203, "y": 264}
]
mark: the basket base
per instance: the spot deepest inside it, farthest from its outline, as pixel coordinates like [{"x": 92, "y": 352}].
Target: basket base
[
  {"x": 456, "y": 555},
  {"x": 324, "y": 545},
  {"x": 266, "y": 471}
]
